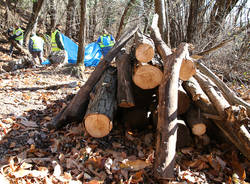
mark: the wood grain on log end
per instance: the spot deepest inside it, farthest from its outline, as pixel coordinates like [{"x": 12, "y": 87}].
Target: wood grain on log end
[
  {"x": 187, "y": 70},
  {"x": 126, "y": 104},
  {"x": 199, "y": 129},
  {"x": 98, "y": 125},
  {"x": 147, "y": 77},
  {"x": 144, "y": 53}
]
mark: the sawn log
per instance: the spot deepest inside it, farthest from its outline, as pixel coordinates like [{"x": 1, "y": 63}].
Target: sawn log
[
  {"x": 125, "y": 96},
  {"x": 100, "y": 113},
  {"x": 76, "y": 109}
]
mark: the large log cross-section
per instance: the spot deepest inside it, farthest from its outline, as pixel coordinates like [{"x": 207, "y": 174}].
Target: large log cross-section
[{"x": 167, "y": 111}]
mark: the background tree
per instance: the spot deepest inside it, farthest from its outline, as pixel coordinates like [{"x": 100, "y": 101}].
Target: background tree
[{"x": 80, "y": 55}]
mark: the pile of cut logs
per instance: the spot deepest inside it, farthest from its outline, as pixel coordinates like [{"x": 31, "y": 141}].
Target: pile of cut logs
[{"x": 155, "y": 84}]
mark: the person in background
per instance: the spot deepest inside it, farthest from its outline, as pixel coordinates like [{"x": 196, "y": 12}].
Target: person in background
[
  {"x": 106, "y": 42},
  {"x": 16, "y": 35},
  {"x": 36, "y": 44},
  {"x": 58, "y": 53}
]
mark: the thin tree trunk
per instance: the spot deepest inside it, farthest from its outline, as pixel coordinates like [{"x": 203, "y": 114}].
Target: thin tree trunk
[
  {"x": 52, "y": 14},
  {"x": 33, "y": 19},
  {"x": 160, "y": 10},
  {"x": 70, "y": 17},
  {"x": 124, "y": 15},
  {"x": 81, "y": 40}
]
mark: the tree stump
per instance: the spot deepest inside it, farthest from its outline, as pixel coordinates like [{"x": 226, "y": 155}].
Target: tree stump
[{"x": 101, "y": 108}]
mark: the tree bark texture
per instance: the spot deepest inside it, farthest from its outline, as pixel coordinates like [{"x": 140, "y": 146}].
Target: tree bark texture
[
  {"x": 238, "y": 135},
  {"x": 214, "y": 95},
  {"x": 230, "y": 95},
  {"x": 70, "y": 17},
  {"x": 183, "y": 101},
  {"x": 75, "y": 111},
  {"x": 125, "y": 96},
  {"x": 81, "y": 39},
  {"x": 101, "y": 108},
  {"x": 160, "y": 10},
  {"x": 32, "y": 21},
  {"x": 167, "y": 111},
  {"x": 123, "y": 18},
  {"x": 199, "y": 97},
  {"x": 196, "y": 121},
  {"x": 184, "y": 138}
]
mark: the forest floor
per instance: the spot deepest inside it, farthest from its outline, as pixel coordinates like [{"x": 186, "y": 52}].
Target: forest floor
[{"x": 30, "y": 153}]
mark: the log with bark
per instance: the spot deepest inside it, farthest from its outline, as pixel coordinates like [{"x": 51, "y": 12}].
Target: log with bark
[
  {"x": 213, "y": 93},
  {"x": 237, "y": 134},
  {"x": 232, "y": 98},
  {"x": 167, "y": 111},
  {"x": 183, "y": 101},
  {"x": 196, "y": 122},
  {"x": 102, "y": 106},
  {"x": 184, "y": 138},
  {"x": 75, "y": 111},
  {"x": 144, "y": 51},
  {"x": 199, "y": 97},
  {"x": 125, "y": 96}
]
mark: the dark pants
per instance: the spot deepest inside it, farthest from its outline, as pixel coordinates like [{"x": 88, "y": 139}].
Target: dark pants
[
  {"x": 20, "y": 42},
  {"x": 38, "y": 54}
]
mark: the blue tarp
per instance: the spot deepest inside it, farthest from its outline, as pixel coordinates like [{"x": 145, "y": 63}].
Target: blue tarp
[{"x": 92, "y": 52}]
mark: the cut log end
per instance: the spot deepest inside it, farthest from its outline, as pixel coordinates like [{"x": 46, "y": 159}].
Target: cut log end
[
  {"x": 199, "y": 129},
  {"x": 144, "y": 53},
  {"x": 187, "y": 70},
  {"x": 98, "y": 125},
  {"x": 126, "y": 105},
  {"x": 147, "y": 77}
]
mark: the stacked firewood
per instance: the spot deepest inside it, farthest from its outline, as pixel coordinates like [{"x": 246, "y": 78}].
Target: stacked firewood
[{"x": 153, "y": 84}]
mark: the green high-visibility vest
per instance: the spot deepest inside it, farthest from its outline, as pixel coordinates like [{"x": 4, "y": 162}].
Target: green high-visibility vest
[
  {"x": 107, "y": 42},
  {"x": 54, "y": 46},
  {"x": 18, "y": 31},
  {"x": 37, "y": 43}
]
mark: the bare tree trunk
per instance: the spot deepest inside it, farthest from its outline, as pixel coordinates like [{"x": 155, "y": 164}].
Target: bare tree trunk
[
  {"x": 93, "y": 21},
  {"x": 80, "y": 54},
  {"x": 192, "y": 20},
  {"x": 70, "y": 17},
  {"x": 52, "y": 14},
  {"x": 160, "y": 10},
  {"x": 123, "y": 18},
  {"x": 32, "y": 20}
]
